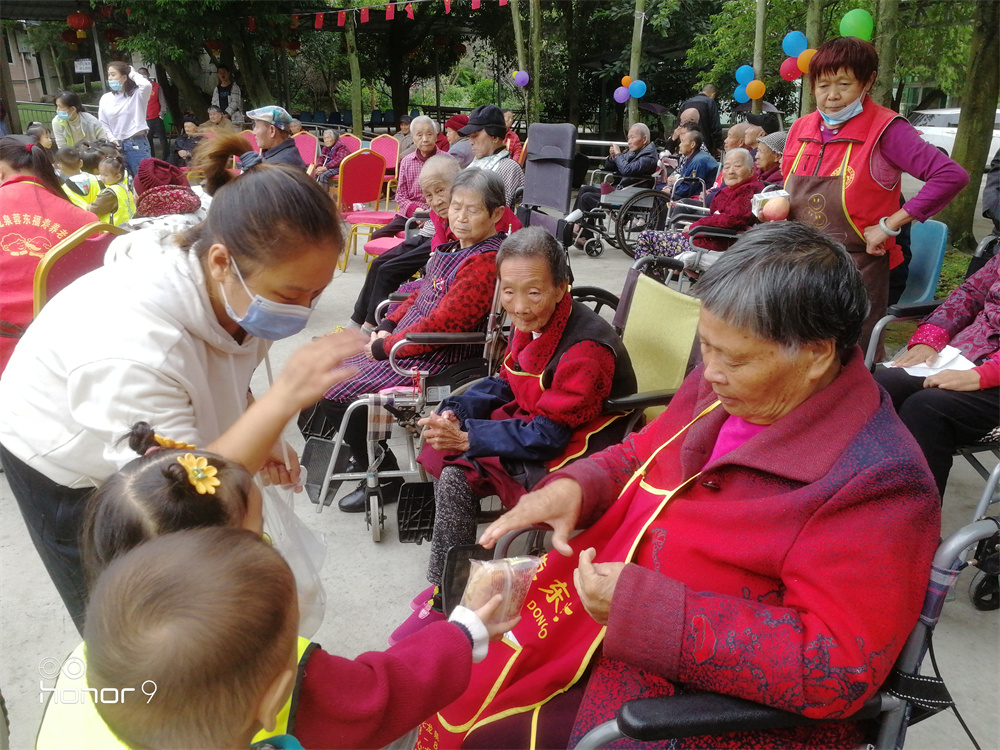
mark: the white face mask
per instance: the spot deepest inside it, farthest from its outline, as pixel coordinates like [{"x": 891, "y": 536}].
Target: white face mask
[{"x": 839, "y": 118}]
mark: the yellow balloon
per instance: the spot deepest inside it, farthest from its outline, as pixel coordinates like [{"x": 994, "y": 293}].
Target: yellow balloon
[
  {"x": 804, "y": 58},
  {"x": 626, "y": 81},
  {"x": 514, "y": 74},
  {"x": 755, "y": 89}
]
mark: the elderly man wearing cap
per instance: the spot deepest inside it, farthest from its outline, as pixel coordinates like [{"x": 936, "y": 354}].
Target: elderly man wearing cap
[
  {"x": 459, "y": 145},
  {"x": 405, "y": 138},
  {"x": 271, "y": 127},
  {"x": 770, "y": 147},
  {"x": 486, "y": 131},
  {"x": 759, "y": 125}
]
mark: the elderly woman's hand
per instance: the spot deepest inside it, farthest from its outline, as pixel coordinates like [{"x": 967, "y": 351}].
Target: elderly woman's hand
[
  {"x": 918, "y": 354},
  {"x": 443, "y": 432},
  {"x": 596, "y": 584},
  {"x": 376, "y": 335},
  {"x": 556, "y": 504},
  {"x": 954, "y": 380},
  {"x": 875, "y": 239}
]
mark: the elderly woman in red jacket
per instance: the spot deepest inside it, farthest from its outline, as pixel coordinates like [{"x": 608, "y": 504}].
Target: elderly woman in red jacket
[
  {"x": 730, "y": 210},
  {"x": 723, "y": 551},
  {"x": 543, "y": 409}
]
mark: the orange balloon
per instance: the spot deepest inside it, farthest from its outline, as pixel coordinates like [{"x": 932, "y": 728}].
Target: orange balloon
[
  {"x": 626, "y": 81},
  {"x": 804, "y": 59},
  {"x": 756, "y": 89}
]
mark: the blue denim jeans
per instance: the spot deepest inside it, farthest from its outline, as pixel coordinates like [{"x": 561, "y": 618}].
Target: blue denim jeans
[{"x": 135, "y": 149}]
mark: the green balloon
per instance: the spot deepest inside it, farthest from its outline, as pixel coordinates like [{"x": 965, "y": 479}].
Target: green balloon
[{"x": 859, "y": 23}]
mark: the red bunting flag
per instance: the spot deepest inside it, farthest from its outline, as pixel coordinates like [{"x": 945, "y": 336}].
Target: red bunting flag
[
  {"x": 252, "y": 23},
  {"x": 390, "y": 12},
  {"x": 319, "y": 20},
  {"x": 475, "y": 4},
  {"x": 341, "y": 18},
  {"x": 409, "y": 11},
  {"x": 447, "y": 6},
  {"x": 295, "y": 22},
  {"x": 503, "y": 2},
  {"x": 364, "y": 15}
]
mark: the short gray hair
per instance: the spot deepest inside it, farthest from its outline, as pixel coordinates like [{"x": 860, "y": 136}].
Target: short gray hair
[
  {"x": 487, "y": 184},
  {"x": 744, "y": 155},
  {"x": 643, "y": 129},
  {"x": 424, "y": 120},
  {"x": 787, "y": 283},
  {"x": 330, "y": 131},
  {"x": 439, "y": 167},
  {"x": 535, "y": 242}
]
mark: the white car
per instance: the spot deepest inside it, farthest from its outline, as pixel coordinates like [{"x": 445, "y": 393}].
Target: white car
[{"x": 938, "y": 127}]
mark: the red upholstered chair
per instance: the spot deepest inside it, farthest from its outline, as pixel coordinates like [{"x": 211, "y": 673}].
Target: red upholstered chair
[
  {"x": 352, "y": 141},
  {"x": 251, "y": 139},
  {"x": 308, "y": 146},
  {"x": 375, "y": 248},
  {"x": 389, "y": 148},
  {"x": 360, "y": 181},
  {"x": 77, "y": 254}
]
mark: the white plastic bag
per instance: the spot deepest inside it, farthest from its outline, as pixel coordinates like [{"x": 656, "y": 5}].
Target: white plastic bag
[{"x": 303, "y": 549}]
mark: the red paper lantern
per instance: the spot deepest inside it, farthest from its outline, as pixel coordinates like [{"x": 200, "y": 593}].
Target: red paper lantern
[
  {"x": 276, "y": 44},
  {"x": 81, "y": 22},
  {"x": 69, "y": 36},
  {"x": 214, "y": 46},
  {"x": 111, "y": 36},
  {"x": 293, "y": 46},
  {"x": 107, "y": 10}
]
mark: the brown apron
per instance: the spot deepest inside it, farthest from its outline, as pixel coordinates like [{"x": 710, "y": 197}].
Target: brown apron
[{"x": 818, "y": 202}]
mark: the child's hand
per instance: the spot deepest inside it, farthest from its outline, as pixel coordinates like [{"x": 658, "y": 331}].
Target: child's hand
[{"x": 485, "y": 614}]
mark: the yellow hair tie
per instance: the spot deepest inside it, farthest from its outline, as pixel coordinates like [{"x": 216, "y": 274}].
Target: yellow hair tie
[
  {"x": 173, "y": 444},
  {"x": 200, "y": 474}
]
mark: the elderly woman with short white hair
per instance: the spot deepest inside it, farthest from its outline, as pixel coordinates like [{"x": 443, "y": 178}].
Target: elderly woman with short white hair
[{"x": 730, "y": 210}]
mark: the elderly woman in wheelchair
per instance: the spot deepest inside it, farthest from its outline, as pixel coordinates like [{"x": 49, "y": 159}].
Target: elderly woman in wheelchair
[
  {"x": 723, "y": 549},
  {"x": 454, "y": 296},
  {"x": 543, "y": 409},
  {"x": 730, "y": 211}
]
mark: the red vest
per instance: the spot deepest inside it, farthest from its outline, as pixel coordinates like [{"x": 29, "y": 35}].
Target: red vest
[
  {"x": 864, "y": 200},
  {"x": 153, "y": 107}
]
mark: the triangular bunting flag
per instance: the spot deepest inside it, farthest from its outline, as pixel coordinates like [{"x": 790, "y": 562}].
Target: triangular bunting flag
[
  {"x": 390, "y": 12},
  {"x": 319, "y": 20},
  {"x": 503, "y": 2},
  {"x": 252, "y": 23},
  {"x": 364, "y": 15},
  {"x": 409, "y": 11},
  {"x": 475, "y": 4},
  {"x": 447, "y": 6},
  {"x": 295, "y": 22},
  {"x": 341, "y": 18}
]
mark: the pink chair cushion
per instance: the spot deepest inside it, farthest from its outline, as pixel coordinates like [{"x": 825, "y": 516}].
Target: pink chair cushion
[
  {"x": 368, "y": 217},
  {"x": 381, "y": 245}
]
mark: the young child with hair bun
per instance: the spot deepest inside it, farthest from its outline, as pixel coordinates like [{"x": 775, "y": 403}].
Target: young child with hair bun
[
  {"x": 115, "y": 203},
  {"x": 336, "y": 702}
]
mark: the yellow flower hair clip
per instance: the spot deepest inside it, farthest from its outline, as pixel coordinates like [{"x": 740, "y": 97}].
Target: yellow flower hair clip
[
  {"x": 165, "y": 442},
  {"x": 200, "y": 474}
]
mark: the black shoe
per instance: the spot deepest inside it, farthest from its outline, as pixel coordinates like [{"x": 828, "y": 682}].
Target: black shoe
[{"x": 354, "y": 502}]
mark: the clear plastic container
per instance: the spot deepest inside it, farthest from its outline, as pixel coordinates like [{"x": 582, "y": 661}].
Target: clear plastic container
[{"x": 510, "y": 577}]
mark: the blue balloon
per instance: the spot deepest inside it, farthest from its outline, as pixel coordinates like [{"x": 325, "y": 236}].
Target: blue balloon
[
  {"x": 745, "y": 74},
  {"x": 637, "y": 89},
  {"x": 741, "y": 95},
  {"x": 794, "y": 44}
]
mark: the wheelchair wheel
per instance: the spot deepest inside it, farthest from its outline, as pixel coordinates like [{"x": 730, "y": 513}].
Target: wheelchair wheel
[
  {"x": 373, "y": 514},
  {"x": 646, "y": 210},
  {"x": 594, "y": 297},
  {"x": 984, "y": 590},
  {"x": 594, "y": 247}
]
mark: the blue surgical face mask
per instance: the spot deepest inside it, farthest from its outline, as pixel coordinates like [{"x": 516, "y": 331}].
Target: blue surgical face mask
[
  {"x": 62, "y": 114},
  {"x": 840, "y": 117},
  {"x": 267, "y": 319},
  {"x": 115, "y": 85}
]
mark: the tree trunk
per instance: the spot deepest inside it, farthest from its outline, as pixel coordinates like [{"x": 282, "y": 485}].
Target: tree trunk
[
  {"x": 636, "y": 58},
  {"x": 535, "y": 99},
  {"x": 351, "y": 38},
  {"x": 758, "y": 50},
  {"x": 975, "y": 128},
  {"x": 885, "y": 43},
  {"x": 522, "y": 58},
  {"x": 814, "y": 30},
  {"x": 253, "y": 83},
  {"x": 188, "y": 90},
  {"x": 572, "y": 67}
]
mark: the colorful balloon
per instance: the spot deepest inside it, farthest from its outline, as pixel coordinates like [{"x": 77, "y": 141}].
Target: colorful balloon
[
  {"x": 626, "y": 81},
  {"x": 621, "y": 94},
  {"x": 521, "y": 78},
  {"x": 859, "y": 23},
  {"x": 804, "y": 58},
  {"x": 637, "y": 89},
  {"x": 744, "y": 74},
  {"x": 741, "y": 95},
  {"x": 794, "y": 43},
  {"x": 790, "y": 69},
  {"x": 756, "y": 89},
  {"x": 513, "y": 74}
]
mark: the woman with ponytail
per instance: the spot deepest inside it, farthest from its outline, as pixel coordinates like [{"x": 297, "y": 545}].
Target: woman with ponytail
[
  {"x": 35, "y": 214},
  {"x": 173, "y": 335},
  {"x": 122, "y": 112}
]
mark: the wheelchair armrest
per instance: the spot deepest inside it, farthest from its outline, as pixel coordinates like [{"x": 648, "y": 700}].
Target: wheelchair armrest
[
  {"x": 445, "y": 338},
  {"x": 911, "y": 310},
  {"x": 712, "y": 232},
  {"x": 679, "y": 716},
  {"x": 658, "y": 261},
  {"x": 640, "y": 400},
  {"x": 399, "y": 297}
]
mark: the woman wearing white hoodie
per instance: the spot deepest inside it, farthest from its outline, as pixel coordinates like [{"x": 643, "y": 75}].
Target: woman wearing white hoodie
[{"x": 172, "y": 339}]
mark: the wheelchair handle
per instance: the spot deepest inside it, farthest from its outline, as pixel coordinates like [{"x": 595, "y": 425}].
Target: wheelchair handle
[{"x": 430, "y": 338}]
